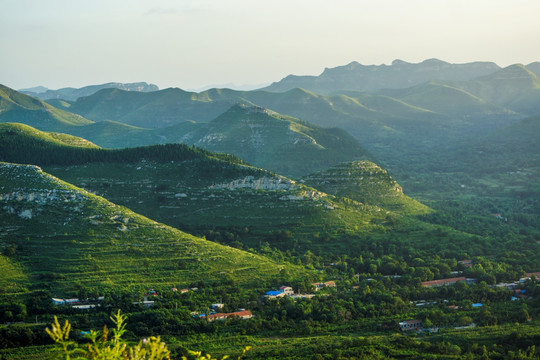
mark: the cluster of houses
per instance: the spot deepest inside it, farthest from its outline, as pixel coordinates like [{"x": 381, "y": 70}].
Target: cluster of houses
[{"x": 282, "y": 292}]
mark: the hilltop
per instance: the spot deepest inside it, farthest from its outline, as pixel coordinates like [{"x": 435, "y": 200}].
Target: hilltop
[
  {"x": 367, "y": 183},
  {"x": 65, "y": 238}
]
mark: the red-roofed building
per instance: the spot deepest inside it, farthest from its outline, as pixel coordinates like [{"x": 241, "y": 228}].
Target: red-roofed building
[
  {"x": 466, "y": 263},
  {"x": 287, "y": 290},
  {"x": 443, "y": 282},
  {"x": 246, "y": 314}
]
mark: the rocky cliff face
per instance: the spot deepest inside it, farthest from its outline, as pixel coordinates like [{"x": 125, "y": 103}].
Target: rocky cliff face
[
  {"x": 31, "y": 194},
  {"x": 263, "y": 183}
]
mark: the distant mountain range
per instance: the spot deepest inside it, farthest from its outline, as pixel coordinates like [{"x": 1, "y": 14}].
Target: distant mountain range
[
  {"x": 73, "y": 94},
  {"x": 265, "y": 138},
  {"x": 457, "y": 101},
  {"x": 399, "y": 74}
]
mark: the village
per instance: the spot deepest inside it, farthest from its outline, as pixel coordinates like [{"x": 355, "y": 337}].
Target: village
[{"x": 215, "y": 312}]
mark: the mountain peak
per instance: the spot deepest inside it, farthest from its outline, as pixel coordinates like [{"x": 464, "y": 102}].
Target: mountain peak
[{"x": 398, "y": 62}]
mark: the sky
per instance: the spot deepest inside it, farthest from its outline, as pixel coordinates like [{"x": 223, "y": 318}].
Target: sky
[{"x": 192, "y": 44}]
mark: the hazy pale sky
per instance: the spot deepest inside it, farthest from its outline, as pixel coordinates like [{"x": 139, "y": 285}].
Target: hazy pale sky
[{"x": 193, "y": 43}]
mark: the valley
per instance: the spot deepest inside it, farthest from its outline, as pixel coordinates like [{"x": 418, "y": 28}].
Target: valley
[{"x": 175, "y": 206}]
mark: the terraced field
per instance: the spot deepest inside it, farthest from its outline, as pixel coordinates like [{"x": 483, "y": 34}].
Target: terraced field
[{"x": 65, "y": 237}]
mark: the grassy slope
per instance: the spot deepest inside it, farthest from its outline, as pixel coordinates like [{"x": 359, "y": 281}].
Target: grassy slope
[
  {"x": 18, "y": 107},
  {"x": 67, "y": 236},
  {"x": 198, "y": 191},
  {"x": 29, "y": 133},
  {"x": 421, "y": 119}
]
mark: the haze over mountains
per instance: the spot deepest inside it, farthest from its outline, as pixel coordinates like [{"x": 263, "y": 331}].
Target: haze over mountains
[{"x": 453, "y": 102}]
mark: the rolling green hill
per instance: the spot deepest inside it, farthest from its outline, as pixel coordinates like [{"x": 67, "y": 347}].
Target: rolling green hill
[
  {"x": 270, "y": 140},
  {"x": 18, "y": 107},
  {"x": 421, "y": 118},
  {"x": 366, "y": 182},
  {"x": 64, "y": 237},
  {"x": 199, "y": 191}
]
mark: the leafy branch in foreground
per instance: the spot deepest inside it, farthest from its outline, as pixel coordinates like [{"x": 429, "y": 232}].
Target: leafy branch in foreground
[{"x": 103, "y": 347}]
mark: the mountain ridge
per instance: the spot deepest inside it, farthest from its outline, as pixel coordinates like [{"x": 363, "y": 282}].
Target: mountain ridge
[{"x": 400, "y": 74}]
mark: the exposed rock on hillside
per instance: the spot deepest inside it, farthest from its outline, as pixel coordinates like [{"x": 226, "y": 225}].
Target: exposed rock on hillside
[{"x": 264, "y": 183}]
